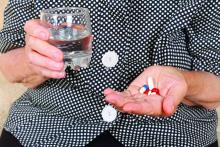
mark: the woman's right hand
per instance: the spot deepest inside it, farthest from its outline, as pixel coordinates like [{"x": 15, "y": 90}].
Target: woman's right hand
[
  {"x": 37, "y": 61},
  {"x": 45, "y": 58}
]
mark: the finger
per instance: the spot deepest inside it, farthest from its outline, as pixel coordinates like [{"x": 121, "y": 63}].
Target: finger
[
  {"x": 49, "y": 73},
  {"x": 173, "y": 98},
  {"x": 168, "y": 106},
  {"x": 108, "y": 91},
  {"x": 43, "y": 61},
  {"x": 138, "y": 108},
  {"x": 45, "y": 49},
  {"x": 34, "y": 28},
  {"x": 140, "y": 96},
  {"x": 151, "y": 106},
  {"x": 118, "y": 99}
]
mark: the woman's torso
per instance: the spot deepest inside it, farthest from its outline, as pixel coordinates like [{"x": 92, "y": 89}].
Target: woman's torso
[{"x": 142, "y": 33}]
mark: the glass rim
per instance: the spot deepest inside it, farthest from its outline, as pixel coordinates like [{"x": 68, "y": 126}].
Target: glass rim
[{"x": 47, "y": 11}]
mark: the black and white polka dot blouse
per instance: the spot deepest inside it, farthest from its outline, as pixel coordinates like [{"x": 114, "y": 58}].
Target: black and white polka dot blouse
[{"x": 67, "y": 112}]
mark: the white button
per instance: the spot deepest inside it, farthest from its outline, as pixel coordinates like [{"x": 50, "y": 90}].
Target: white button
[
  {"x": 109, "y": 114},
  {"x": 110, "y": 59}
]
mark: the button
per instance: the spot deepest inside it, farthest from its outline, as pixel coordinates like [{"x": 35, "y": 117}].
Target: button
[
  {"x": 109, "y": 114},
  {"x": 110, "y": 59}
]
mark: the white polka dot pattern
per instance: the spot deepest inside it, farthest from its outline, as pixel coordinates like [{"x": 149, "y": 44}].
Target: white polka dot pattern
[{"x": 67, "y": 112}]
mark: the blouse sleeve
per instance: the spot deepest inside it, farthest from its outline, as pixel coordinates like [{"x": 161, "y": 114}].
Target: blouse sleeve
[
  {"x": 204, "y": 38},
  {"x": 16, "y": 13}
]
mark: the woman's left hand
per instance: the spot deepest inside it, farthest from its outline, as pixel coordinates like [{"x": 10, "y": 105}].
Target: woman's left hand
[{"x": 171, "y": 84}]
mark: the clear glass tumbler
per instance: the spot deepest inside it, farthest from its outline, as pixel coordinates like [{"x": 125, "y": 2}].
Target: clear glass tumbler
[{"x": 70, "y": 31}]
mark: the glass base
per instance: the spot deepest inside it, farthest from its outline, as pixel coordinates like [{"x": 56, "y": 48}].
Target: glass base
[{"x": 77, "y": 62}]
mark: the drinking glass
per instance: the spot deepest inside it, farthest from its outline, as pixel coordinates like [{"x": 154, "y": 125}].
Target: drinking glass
[{"x": 70, "y": 31}]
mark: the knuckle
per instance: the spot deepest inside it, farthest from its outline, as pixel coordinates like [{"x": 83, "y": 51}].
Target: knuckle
[
  {"x": 27, "y": 53},
  {"x": 31, "y": 40},
  {"x": 28, "y": 24},
  {"x": 29, "y": 43},
  {"x": 33, "y": 24},
  {"x": 26, "y": 38},
  {"x": 30, "y": 58},
  {"x": 27, "y": 49}
]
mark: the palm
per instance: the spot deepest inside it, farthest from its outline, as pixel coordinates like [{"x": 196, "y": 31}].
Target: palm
[{"x": 168, "y": 80}]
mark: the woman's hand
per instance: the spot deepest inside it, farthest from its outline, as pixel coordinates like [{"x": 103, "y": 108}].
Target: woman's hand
[
  {"x": 169, "y": 80},
  {"x": 44, "y": 58},
  {"x": 15, "y": 67},
  {"x": 36, "y": 62}
]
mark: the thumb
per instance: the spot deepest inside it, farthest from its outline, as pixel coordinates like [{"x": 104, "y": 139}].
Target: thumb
[
  {"x": 173, "y": 98},
  {"x": 168, "y": 105}
]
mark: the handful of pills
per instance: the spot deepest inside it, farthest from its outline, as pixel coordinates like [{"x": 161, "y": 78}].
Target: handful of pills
[{"x": 149, "y": 88}]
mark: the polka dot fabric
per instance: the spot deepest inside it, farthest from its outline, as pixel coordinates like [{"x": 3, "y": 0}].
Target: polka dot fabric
[
  {"x": 67, "y": 112},
  {"x": 16, "y": 14}
]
